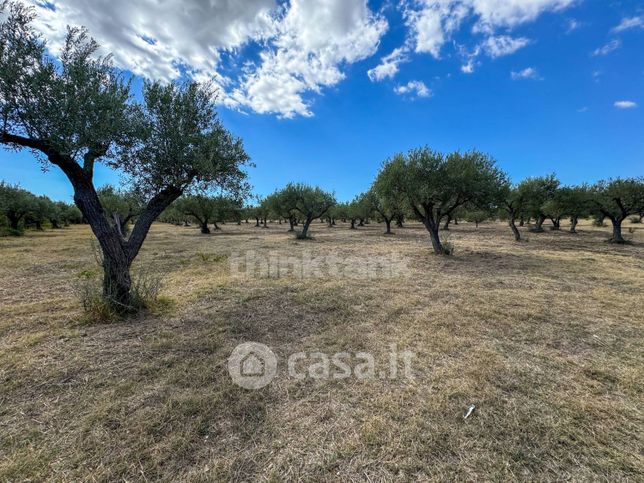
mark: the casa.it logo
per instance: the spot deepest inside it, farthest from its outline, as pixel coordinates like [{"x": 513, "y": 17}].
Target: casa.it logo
[{"x": 252, "y": 365}]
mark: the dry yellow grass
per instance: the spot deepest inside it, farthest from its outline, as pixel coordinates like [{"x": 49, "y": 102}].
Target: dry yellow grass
[{"x": 544, "y": 337}]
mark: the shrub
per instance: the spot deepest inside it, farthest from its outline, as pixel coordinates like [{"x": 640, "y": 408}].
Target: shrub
[
  {"x": 448, "y": 246},
  {"x": 88, "y": 288}
]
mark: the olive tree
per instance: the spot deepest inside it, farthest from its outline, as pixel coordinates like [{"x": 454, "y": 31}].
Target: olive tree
[
  {"x": 282, "y": 204},
  {"x": 512, "y": 201},
  {"x": 568, "y": 201},
  {"x": 536, "y": 192},
  {"x": 387, "y": 194},
  {"x": 476, "y": 216},
  {"x": 41, "y": 212},
  {"x": 311, "y": 203},
  {"x": 78, "y": 111},
  {"x": 617, "y": 199},
  {"x": 64, "y": 214},
  {"x": 15, "y": 204},
  {"x": 436, "y": 185},
  {"x": 203, "y": 209}
]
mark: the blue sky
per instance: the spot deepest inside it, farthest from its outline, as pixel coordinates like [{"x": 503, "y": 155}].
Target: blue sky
[{"x": 542, "y": 85}]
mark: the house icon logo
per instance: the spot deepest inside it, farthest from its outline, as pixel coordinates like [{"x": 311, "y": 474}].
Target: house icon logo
[{"x": 252, "y": 365}]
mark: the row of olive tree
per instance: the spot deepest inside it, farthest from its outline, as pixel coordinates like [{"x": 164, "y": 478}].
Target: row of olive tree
[
  {"x": 19, "y": 209},
  {"x": 436, "y": 188},
  {"x": 542, "y": 198},
  {"x": 77, "y": 111}
]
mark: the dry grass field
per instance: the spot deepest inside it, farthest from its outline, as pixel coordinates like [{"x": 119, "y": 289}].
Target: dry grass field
[{"x": 545, "y": 337}]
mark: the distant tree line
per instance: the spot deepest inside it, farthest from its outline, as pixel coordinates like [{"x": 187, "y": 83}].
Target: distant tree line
[
  {"x": 20, "y": 209},
  {"x": 438, "y": 189}
]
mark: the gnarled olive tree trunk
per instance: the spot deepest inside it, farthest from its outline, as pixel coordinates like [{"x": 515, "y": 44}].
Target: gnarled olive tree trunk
[
  {"x": 305, "y": 228},
  {"x": 388, "y": 224},
  {"x": 118, "y": 252},
  {"x": 573, "y": 224},
  {"x": 617, "y": 231},
  {"x": 432, "y": 228}
]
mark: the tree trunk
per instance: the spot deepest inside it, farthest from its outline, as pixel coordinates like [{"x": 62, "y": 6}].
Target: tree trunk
[
  {"x": 556, "y": 223},
  {"x": 361, "y": 222},
  {"x": 617, "y": 231},
  {"x": 290, "y": 222},
  {"x": 447, "y": 222},
  {"x": 265, "y": 226},
  {"x": 521, "y": 222},
  {"x": 515, "y": 230},
  {"x": 54, "y": 224},
  {"x": 204, "y": 227},
  {"x": 305, "y": 229},
  {"x": 573, "y": 224},
  {"x": 432, "y": 228},
  {"x": 216, "y": 226},
  {"x": 388, "y": 223},
  {"x": 353, "y": 223},
  {"x": 538, "y": 228},
  {"x": 117, "y": 282},
  {"x": 256, "y": 222}
]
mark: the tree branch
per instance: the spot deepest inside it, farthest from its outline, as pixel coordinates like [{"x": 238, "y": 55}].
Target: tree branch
[{"x": 154, "y": 208}]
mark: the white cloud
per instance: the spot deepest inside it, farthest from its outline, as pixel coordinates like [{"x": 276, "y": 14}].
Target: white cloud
[
  {"x": 527, "y": 73},
  {"x": 510, "y": 13},
  {"x": 608, "y": 48},
  {"x": 189, "y": 35},
  {"x": 313, "y": 41},
  {"x": 302, "y": 45},
  {"x": 388, "y": 66},
  {"x": 433, "y": 23},
  {"x": 468, "y": 68},
  {"x": 417, "y": 88},
  {"x": 503, "y": 45},
  {"x": 625, "y": 104},
  {"x": 630, "y": 23}
]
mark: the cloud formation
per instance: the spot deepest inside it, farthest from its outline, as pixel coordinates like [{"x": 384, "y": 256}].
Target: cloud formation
[
  {"x": 413, "y": 88},
  {"x": 527, "y": 73},
  {"x": 272, "y": 56},
  {"x": 606, "y": 49},
  {"x": 300, "y": 47},
  {"x": 434, "y": 23},
  {"x": 630, "y": 23},
  {"x": 503, "y": 45},
  {"x": 625, "y": 104},
  {"x": 389, "y": 65}
]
